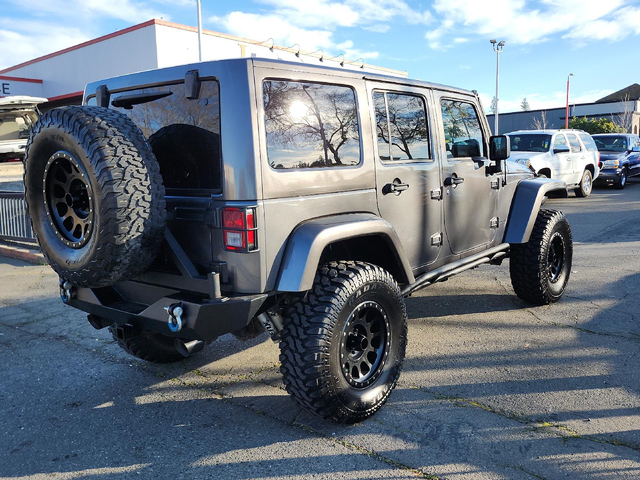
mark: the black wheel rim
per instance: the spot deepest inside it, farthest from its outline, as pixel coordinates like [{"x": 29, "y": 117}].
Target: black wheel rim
[
  {"x": 364, "y": 344},
  {"x": 68, "y": 199},
  {"x": 555, "y": 259}
]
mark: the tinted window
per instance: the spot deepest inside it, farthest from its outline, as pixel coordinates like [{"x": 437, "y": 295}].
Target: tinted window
[
  {"x": 589, "y": 144},
  {"x": 401, "y": 123},
  {"x": 575, "y": 143},
  {"x": 184, "y": 134},
  {"x": 560, "y": 142},
  {"x": 530, "y": 142},
  {"x": 310, "y": 125},
  {"x": 462, "y": 131}
]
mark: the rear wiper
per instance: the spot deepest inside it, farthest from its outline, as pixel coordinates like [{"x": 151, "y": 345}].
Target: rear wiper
[{"x": 128, "y": 100}]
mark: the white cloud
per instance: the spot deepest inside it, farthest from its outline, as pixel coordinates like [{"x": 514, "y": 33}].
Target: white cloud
[
  {"x": 460, "y": 40},
  {"x": 517, "y": 22},
  {"x": 377, "y": 28}
]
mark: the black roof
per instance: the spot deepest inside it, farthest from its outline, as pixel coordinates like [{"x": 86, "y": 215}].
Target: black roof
[{"x": 632, "y": 92}]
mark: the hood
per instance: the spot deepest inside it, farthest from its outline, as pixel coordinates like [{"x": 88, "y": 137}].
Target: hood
[
  {"x": 20, "y": 102},
  {"x": 612, "y": 156},
  {"x": 522, "y": 157}
]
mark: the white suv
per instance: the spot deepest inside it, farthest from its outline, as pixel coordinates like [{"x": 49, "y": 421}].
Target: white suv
[{"x": 567, "y": 155}]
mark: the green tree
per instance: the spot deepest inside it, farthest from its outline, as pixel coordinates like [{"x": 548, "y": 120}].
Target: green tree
[
  {"x": 524, "y": 106},
  {"x": 595, "y": 125}
]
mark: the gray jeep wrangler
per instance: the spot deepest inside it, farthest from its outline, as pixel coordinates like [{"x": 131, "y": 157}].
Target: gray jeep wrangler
[{"x": 238, "y": 196}]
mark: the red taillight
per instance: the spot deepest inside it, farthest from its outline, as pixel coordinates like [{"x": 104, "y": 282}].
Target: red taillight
[{"x": 238, "y": 229}]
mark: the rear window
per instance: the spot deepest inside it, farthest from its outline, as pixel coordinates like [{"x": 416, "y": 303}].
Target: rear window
[
  {"x": 183, "y": 133},
  {"x": 310, "y": 125}
]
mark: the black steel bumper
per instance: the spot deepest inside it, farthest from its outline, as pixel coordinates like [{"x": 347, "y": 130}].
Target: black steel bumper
[{"x": 144, "y": 307}]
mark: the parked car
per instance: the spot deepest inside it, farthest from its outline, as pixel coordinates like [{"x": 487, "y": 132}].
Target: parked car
[
  {"x": 244, "y": 195},
  {"x": 17, "y": 115},
  {"x": 619, "y": 157},
  {"x": 567, "y": 155}
]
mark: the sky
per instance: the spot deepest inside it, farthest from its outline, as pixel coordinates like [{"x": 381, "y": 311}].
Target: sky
[{"x": 441, "y": 41}]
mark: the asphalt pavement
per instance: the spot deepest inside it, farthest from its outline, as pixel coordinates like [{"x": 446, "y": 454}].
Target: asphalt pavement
[{"x": 492, "y": 387}]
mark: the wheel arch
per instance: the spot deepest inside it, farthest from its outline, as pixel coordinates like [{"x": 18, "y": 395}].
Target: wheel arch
[
  {"x": 364, "y": 237},
  {"x": 526, "y": 204}
]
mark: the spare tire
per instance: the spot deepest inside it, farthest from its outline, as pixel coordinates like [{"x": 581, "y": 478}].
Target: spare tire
[{"x": 94, "y": 195}]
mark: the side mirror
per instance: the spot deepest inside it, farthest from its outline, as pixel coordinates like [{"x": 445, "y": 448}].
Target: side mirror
[
  {"x": 635, "y": 149},
  {"x": 561, "y": 150},
  {"x": 499, "y": 147}
]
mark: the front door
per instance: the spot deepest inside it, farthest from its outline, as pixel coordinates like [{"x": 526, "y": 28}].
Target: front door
[
  {"x": 470, "y": 194},
  {"x": 407, "y": 174}
]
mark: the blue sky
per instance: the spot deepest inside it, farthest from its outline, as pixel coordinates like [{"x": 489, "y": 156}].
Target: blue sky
[{"x": 443, "y": 41}]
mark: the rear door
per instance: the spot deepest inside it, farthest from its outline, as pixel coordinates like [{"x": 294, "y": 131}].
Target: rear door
[
  {"x": 579, "y": 157},
  {"x": 407, "y": 174},
  {"x": 470, "y": 195},
  {"x": 562, "y": 162}
]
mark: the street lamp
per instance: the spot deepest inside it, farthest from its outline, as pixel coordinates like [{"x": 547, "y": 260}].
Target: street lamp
[
  {"x": 566, "y": 117},
  {"x": 497, "y": 47}
]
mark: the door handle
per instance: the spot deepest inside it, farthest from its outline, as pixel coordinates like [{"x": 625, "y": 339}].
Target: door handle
[
  {"x": 454, "y": 180},
  {"x": 394, "y": 187}
]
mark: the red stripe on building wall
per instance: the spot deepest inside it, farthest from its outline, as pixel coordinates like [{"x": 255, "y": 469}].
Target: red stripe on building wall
[
  {"x": 66, "y": 95},
  {"x": 19, "y": 79}
]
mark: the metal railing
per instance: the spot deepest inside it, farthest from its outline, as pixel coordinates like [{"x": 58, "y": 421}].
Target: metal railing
[{"x": 14, "y": 221}]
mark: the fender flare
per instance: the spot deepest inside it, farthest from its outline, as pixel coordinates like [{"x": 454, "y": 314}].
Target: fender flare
[
  {"x": 526, "y": 205},
  {"x": 308, "y": 241}
]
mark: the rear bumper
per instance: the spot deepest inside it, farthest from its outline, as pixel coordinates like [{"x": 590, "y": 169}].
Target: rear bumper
[{"x": 144, "y": 306}]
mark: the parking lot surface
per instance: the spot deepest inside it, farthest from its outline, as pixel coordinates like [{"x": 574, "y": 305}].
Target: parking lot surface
[{"x": 492, "y": 388}]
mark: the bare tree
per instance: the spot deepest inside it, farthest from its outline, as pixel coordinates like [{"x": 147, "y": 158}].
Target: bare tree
[
  {"x": 624, "y": 119},
  {"x": 540, "y": 123}
]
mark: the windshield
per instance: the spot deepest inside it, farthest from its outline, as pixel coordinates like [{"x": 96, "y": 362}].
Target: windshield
[
  {"x": 611, "y": 143},
  {"x": 530, "y": 142}
]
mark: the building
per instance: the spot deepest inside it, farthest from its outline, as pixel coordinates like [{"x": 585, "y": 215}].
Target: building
[
  {"x": 61, "y": 76},
  {"x": 623, "y": 107}
]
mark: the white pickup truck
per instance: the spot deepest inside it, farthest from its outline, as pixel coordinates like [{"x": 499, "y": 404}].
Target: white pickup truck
[
  {"x": 567, "y": 155},
  {"x": 17, "y": 115}
]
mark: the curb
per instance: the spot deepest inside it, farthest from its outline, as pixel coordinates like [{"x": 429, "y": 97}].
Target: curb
[{"x": 30, "y": 255}]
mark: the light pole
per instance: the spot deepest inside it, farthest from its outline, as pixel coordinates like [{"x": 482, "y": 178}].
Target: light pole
[
  {"x": 199, "y": 32},
  {"x": 497, "y": 47},
  {"x": 566, "y": 117}
]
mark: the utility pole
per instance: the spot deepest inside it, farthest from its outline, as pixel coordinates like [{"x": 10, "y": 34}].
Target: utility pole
[{"x": 566, "y": 117}]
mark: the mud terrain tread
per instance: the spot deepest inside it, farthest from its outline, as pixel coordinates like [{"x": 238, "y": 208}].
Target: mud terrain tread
[
  {"x": 527, "y": 265},
  {"x": 152, "y": 347},
  {"x": 132, "y": 211},
  {"x": 306, "y": 338}
]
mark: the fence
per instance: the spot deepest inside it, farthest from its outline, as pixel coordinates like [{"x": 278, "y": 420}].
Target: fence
[{"x": 14, "y": 221}]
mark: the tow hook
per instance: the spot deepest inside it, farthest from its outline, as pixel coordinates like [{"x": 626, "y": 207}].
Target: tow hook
[
  {"x": 175, "y": 312},
  {"x": 65, "y": 290}
]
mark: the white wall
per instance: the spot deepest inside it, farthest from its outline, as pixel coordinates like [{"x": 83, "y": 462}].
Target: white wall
[{"x": 71, "y": 71}]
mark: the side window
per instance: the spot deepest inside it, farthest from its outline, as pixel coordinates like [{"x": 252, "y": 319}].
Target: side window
[
  {"x": 310, "y": 125},
  {"x": 462, "y": 132},
  {"x": 560, "y": 142},
  {"x": 637, "y": 142},
  {"x": 574, "y": 142},
  {"x": 589, "y": 144}
]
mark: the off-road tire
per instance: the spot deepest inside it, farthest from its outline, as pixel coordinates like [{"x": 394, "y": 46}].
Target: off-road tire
[
  {"x": 114, "y": 195},
  {"x": 622, "y": 181},
  {"x": 536, "y": 275},
  {"x": 149, "y": 346},
  {"x": 345, "y": 296},
  {"x": 586, "y": 184}
]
